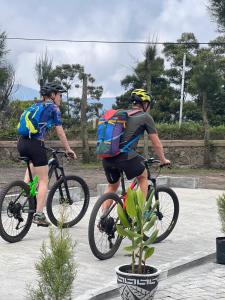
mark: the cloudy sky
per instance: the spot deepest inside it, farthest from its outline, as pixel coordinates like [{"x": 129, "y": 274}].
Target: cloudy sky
[{"x": 115, "y": 20}]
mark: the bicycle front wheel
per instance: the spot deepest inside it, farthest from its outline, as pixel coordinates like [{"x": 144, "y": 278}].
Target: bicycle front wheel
[
  {"x": 167, "y": 212},
  {"x": 16, "y": 211},
  {"x": 69, "y": 196},
  {"x": 102, "y": 235}
]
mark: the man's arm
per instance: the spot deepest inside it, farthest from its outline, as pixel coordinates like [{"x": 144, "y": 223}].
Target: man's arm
[
  {"x": 158, "y": 147},
  {"x": 61, "y": 134}
]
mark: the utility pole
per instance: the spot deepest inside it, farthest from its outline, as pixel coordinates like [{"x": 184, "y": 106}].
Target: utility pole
[{"x": 182, "y": 90}]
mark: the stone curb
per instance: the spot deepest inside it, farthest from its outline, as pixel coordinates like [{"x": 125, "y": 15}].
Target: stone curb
[
  {"x": 171, "y": 181},
  {"x": 167, "y": 270}
]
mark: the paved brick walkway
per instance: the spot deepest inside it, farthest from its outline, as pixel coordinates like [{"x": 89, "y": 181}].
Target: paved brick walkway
[
  {"x": 205, "y": 282},
  {"x": 195, "y": 234}
]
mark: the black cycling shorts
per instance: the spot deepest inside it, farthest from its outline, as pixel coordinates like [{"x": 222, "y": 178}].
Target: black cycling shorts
[
  {"x": 34, "y": 149},
  {"x": 132, "y": 168}
]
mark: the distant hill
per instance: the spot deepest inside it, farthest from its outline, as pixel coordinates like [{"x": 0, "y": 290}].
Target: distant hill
[{"x": 22, "y": 92}]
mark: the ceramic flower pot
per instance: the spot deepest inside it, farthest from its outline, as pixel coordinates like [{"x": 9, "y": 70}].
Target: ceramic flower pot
[
  {"x": 220, "y": 250},
  {"x": 137, "y": 286}
]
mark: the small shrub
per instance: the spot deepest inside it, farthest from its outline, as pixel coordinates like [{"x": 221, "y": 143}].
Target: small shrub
[
  {"x": 221, "y": 210},
  {"x": 56, "y": 268}
]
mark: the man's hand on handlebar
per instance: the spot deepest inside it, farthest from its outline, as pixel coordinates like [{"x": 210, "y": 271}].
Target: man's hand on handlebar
[
  {"x": 165, "y": 162},
  {"x": 71, "y": 154}
]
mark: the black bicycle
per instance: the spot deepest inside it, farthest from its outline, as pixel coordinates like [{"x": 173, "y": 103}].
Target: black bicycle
[
  {"x": 18, "y": 200},
  {"x": 102, "y": 235}
]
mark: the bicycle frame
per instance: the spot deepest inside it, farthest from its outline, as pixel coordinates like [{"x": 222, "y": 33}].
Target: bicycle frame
[
  {"x": 54, "y": 166},
  {"x": 134, "y": 183}
]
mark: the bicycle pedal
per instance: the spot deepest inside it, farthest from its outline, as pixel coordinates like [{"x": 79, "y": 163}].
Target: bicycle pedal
[
  {"x": 29, "y": 211},
  {"x": 42, "y": 225}
]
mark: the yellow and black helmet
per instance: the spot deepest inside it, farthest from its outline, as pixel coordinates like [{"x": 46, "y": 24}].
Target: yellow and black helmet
[{"x": 140, "y": 95}]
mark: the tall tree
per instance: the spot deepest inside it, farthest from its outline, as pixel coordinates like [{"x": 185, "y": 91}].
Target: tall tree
[
  {"x": 86, "y": 83},
  {"x": 206, "y": 80},
  {"x": 66, "y": 75},
  {"x": 149, "y": 74},
  {"x": 43, "y": 68},
  {"x": 217, "y": 9},
  {"x": 7, "y": 74}
]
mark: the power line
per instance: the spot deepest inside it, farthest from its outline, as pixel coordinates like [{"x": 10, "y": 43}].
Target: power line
[{"x": 114, "y": 42}]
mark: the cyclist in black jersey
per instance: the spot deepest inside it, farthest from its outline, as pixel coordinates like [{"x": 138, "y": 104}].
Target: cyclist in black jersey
[
  {"x": 131, "y": 162},
  {"x": 34, "y": 147}
]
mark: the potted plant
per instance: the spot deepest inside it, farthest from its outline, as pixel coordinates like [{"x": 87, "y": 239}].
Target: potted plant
[
  {"x": 220, "y": 241},
  {"x": 137, "y": 280}
]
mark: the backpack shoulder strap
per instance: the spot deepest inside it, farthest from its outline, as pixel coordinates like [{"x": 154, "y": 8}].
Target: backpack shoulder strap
[
  {"x": 109, "y": 114},
  {"x": 133, "y": 112}
]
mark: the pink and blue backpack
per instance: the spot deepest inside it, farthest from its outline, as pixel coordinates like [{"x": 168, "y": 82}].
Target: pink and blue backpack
[{"x": 110, "y": 130}]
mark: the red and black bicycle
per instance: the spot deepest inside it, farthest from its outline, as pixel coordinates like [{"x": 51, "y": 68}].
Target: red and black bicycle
[{"x": 102, "y": 235}]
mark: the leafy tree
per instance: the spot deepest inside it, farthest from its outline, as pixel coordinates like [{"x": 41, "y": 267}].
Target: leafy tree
[
  {"x": 149, "y": 74},
  {"x": 217, "y": 9},
  {"x": 86, "y": 83},
  {"x": 7, "y": 74},
  {"x": 66, "y": 75},
  {"x": 206, "y": 80}
]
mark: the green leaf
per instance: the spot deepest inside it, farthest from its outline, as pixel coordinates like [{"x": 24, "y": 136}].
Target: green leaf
[
  {"x": 149, "y": 253},
  {"x": 152, "y": 238},
  {"x": 130, "y": 248},
  {"x": 138, "y": 241},
  {"x": 150, "y": 223},
  {"x": 122, "y": 216},
  {"x": 149, "y": 201},
  {"x": 155, "y": 205},
  {"x": 121, "y": 231},
  {"x": 141, "y": 199},
  {"x": 127, "y": 232},
  {"x": 130, "y": 204}
]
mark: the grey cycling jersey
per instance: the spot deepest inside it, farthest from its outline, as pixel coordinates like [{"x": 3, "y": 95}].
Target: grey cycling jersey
[{"x": 136, "y": 124}]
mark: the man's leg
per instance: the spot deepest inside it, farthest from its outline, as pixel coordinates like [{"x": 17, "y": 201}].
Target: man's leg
[
  {"x": 111, "y": 188},
  {"x": 143, "y": 182}
]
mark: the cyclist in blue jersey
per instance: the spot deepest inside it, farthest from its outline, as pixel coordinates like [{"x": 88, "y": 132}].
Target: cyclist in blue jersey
[{"x": 33, "y": 147}]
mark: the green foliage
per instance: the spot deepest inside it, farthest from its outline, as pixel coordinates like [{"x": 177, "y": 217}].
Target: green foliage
[
  {"x": 56, "y": 268},
  {"x": 217, "y": 9},
  {"x": 189, "y": 131},
  {"x": 221, "y": 210},
  {"x": 134, "y": 224},
  {"x": 43, "y": 68}
]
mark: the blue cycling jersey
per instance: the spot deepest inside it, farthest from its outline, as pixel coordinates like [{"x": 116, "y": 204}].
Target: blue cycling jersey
[{"x": 50, "y": 117}]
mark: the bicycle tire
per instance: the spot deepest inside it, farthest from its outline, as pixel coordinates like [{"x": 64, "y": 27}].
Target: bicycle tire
[
  {"x": 175, "y": 203},
  {"x": 52, "y": 192},
  {"x": 91, "y": 228},
  {"x": 15, "y": 238}
]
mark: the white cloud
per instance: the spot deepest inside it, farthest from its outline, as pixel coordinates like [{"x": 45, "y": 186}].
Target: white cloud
[{"x": 102, "y": 20}]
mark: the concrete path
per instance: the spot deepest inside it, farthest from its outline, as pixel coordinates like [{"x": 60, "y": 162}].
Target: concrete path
[
  {"x": 205, "y": 282},
  {"x": 194, "y": 236}
]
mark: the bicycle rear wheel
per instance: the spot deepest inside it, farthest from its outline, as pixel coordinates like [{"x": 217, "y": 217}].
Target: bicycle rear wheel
[
  {"x": 16, "y": 211},
  {"x": 102, "y": 236},
  {"x": 58, "y": 200},
  {"x": 167, "y": 212}
]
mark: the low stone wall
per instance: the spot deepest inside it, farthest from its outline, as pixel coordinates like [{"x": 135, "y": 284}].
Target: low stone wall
[{"x": 180, "y": 152}]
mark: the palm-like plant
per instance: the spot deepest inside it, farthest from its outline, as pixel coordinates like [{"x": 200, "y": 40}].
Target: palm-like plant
[
  {"x": 221, "y": 210},
  {"x": 136, "y": 219}
]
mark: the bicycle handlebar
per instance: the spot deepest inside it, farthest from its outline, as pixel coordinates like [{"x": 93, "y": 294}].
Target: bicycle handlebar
[
  {"x": 153, "y": 160},
  {"x": 54, "y": 151}
]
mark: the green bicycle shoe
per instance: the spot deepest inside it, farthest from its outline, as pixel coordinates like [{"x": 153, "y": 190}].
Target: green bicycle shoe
[{"x": 40, "y": 219}]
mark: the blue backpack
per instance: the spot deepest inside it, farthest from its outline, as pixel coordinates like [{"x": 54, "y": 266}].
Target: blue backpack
[
  {"x": 109, "y": 132},
  {"x": 29, "y": 123}
]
